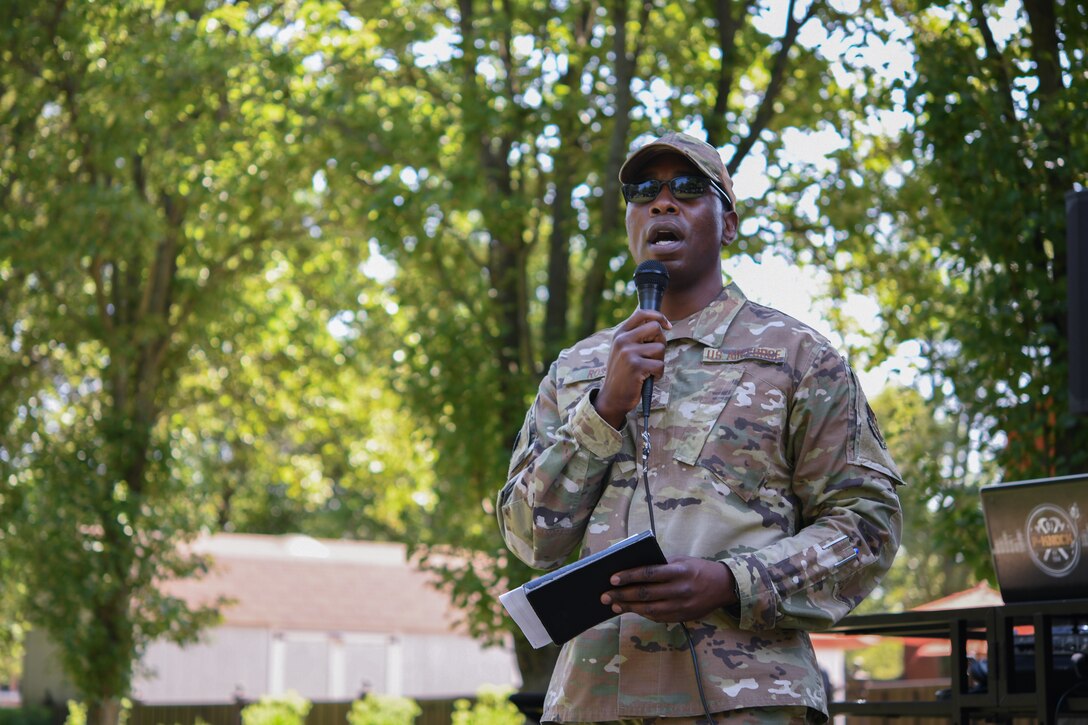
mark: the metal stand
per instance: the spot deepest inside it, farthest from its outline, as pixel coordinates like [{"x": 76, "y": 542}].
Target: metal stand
[{"x": 1023, "y": 678}]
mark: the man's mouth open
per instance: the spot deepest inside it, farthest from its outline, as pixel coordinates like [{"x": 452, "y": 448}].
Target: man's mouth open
[{"x": 664, "y": 237}]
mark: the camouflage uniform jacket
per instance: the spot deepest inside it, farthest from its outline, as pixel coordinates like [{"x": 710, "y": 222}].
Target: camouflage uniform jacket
[{"x": 765, "y": 456}]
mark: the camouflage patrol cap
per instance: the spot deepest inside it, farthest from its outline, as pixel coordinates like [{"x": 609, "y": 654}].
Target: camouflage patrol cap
[{"x": 703, "y": 155}]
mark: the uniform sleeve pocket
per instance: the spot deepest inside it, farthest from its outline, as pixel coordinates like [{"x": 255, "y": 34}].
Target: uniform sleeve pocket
[
  {"x": 867, "y": 447},
  {"x": 524, "y": 444}
]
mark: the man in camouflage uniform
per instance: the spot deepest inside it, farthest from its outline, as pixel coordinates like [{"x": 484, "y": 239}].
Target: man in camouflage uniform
[{"x": 773, "y": 492}]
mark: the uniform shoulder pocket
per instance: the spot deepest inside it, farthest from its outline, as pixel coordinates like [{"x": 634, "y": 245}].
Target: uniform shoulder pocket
[
  {"x": 573, "y": 385},
  {"x": 731, "y": 424}
]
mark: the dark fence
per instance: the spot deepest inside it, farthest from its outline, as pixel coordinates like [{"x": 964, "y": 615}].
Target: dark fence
[
  {"x": 435, "y": 712},
  {"x": 913, "y": 691}
]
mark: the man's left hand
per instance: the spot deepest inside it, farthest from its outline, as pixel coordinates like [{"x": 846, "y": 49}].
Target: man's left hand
[{"x": 685, "y": 589}]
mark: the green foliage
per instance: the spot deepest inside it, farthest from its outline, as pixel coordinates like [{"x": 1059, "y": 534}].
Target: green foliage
[
  {"x": 379, "y": 709},
  {"x": 288, "y": 709},
  {"x": 299, "y": 266},
  {"x": 80, "y": 713},
  {"x": 939, "y": 552},
  {"x": 492, "y": 707},
  {"x": 26, "y": 715},
  {"x": 958, "y": 225},
  {"x": 77, "y": 713},
  {"x": 183, "y": 347},
  {"x": 13, "y": 626},
  {"x": 487, "y": 143},
  {"x": 882, "y": 661}
]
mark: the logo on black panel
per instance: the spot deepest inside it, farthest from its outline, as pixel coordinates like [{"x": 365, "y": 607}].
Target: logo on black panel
[{"x": 1052, "y": 540}]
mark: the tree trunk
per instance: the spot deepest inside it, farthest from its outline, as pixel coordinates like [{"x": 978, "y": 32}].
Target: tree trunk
[
  {"x": 104, "y": 712},
  {"x": 611, "y": 223}
]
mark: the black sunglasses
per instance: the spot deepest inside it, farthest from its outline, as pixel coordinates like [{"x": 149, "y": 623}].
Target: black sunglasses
[{"x": 682, "y": 188}]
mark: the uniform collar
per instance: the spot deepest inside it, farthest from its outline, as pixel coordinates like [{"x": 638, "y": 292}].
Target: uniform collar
[{"x": 709, "y": 325}]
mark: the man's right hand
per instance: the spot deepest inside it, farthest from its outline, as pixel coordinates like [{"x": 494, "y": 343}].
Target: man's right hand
[{"x": 638, "y": 352}]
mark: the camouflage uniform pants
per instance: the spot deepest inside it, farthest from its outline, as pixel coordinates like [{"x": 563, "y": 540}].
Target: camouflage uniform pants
[{"x": 747, "y": 716}]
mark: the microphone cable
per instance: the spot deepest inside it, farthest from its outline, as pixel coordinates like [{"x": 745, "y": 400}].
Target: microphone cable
[
  {"x": 651, "y": 281},
  {"x": 653, "y": 529}
]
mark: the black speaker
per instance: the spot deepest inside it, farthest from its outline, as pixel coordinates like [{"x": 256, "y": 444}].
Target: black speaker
[{"x": 1076, "y": 214}]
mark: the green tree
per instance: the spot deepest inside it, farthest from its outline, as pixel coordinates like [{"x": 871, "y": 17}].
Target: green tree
[
  {"x": 12, "y": 619},
  {"x": 188, "y": 337},
  {"x": 478, "y": 147},
  {"x": 958, "y": 225},
  {"x": 169, "y": 330},
  {"x": 941, "y": 515},
  {"x": 283, "y": 425}
]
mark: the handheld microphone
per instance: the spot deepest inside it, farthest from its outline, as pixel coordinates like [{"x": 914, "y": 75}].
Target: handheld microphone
[{"x": 651, "y": 279}]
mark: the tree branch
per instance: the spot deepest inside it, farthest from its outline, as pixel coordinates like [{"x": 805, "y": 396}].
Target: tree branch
[
  {"x": 727, "y": 31},
  {"x": 261, "y": 20},
  {"x": 778, "y": 77},
  {"x": 96, "y": 270},
  {"x": 557, "y": 308},
  {"x": 504, "y": 50},
  {"x": 1046, "y": 48},
  {"x": 155, "y": 300},
  {"x": 996, "y": 60}
]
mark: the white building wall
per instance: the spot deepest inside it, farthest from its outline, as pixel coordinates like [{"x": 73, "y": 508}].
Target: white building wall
[
  {"x": 365, "y": 665},
  {"x": 442, "y": 666},
  {"x": 331, "y": 666},
  {"x": 319, "y": 666},
  {"x": 43, "y": 678},
  {"x": 227, "y": 662},
  {"x": 306, "y": 664}
]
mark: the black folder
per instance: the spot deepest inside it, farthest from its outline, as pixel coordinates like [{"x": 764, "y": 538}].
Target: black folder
[{"x": 567, "y": 601}]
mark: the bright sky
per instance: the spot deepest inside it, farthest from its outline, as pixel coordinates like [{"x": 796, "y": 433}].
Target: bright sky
[{"x": 777, "y": 283}]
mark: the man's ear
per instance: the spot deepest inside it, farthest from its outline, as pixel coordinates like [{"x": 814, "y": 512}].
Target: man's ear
[{"x": 729, "y": 227}]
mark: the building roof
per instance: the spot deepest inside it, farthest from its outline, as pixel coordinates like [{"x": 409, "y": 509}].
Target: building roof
[
  {"x": 980, "y": 595},
  {"x": 301, "y": 583}
]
